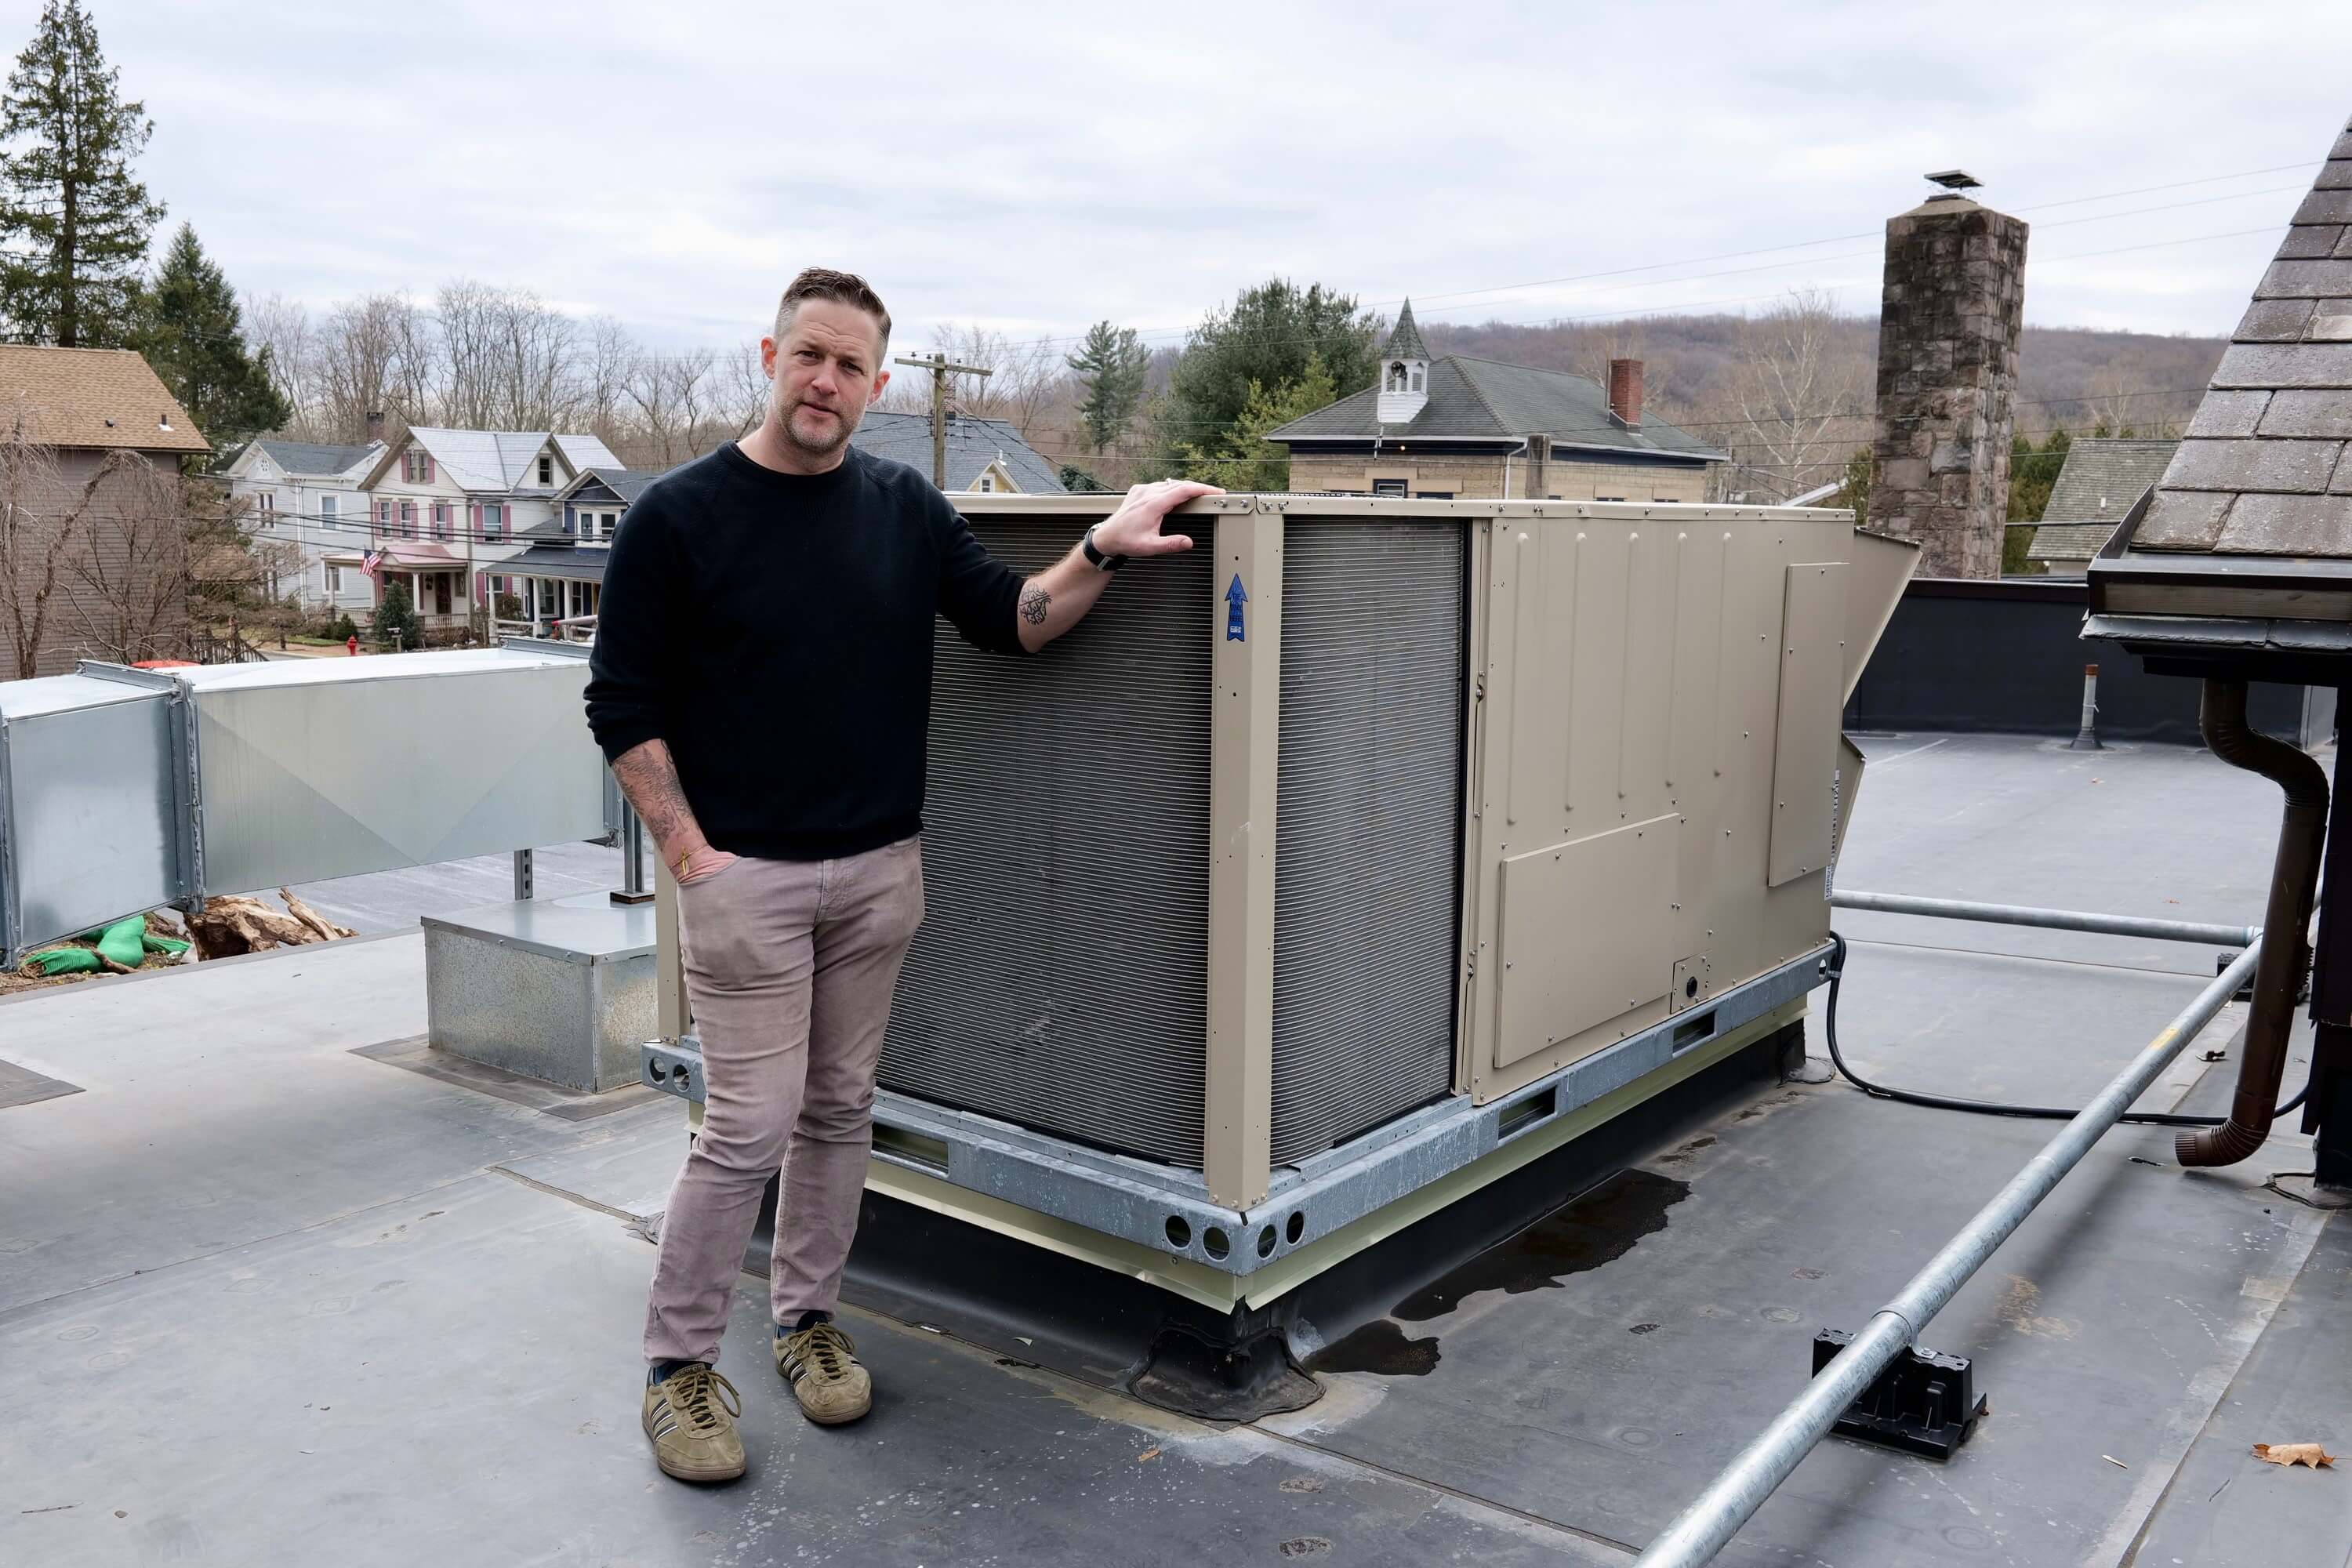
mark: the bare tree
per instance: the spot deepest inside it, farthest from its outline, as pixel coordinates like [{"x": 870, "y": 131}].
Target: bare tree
[
  {"x": 39, "y": 522},
  {"x": 137, "y": 560},
  {"x": 604, "y": 369},
  {"x": 360, "y": 366},
  {"x": 744, "y": 388},
  {"x": 1800, "y": 397},
  {"x": 538, "y": 362},
  {"x": 281, "y": 327},
  {"x": 672, "y": 395}
]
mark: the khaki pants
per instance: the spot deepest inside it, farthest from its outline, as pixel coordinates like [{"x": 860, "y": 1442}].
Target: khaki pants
[{"x": 790, "y": 966}]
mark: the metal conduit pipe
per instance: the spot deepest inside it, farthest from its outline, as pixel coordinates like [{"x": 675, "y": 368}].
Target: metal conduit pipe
[
  {"x": 1703, "y": 1529},
  {"x": 2294, "y": 882},
  {"x": 2052, "y": 920}
]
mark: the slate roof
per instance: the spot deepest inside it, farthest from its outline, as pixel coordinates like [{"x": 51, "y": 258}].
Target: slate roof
[
  {"x": 1405, "y": 342},
  {"x": 2261, "y": 471},
  {"x": 2098, "y": 483},
  {"x": 1474, "y": 399},
  {"x": 499, "y": 459},
  {"x": 98, "y": 398},
  {"x": 309, "y": 457},
  {"x": 973, "y": 444}
]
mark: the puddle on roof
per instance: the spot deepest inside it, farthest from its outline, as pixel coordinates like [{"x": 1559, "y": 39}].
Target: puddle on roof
[
  {"x": 1577, "y": 1238},
  {"x": 1378, "y": 1346},
  {"x": 1599, "y": 1227}
]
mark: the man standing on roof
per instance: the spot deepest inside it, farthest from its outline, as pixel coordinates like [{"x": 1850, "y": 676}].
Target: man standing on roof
[{"x": 761, "y": 685}]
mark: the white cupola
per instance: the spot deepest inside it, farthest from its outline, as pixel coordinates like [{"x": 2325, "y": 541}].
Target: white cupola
[{"x": 1404, "y": 371}]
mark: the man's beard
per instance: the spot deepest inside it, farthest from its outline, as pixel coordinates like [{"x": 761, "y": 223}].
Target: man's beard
[{"x": 843, "y": 427}]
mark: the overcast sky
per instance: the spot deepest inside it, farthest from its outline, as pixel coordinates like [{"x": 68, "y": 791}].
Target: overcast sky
[{"x": 1038, "y": 167}]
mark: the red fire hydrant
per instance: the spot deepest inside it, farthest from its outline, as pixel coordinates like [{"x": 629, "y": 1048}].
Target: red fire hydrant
[{"x": 351, "y": 645}]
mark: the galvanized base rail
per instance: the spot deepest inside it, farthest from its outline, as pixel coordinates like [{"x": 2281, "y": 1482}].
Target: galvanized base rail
[
  {"x": 1703, "y": 1529},
  {"x": 1168, "y": 1208},
  {"x": 2049, "y": 920}
]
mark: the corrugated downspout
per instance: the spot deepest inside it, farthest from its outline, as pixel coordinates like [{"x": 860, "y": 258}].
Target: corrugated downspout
[{"x": 2295, "y": 880}]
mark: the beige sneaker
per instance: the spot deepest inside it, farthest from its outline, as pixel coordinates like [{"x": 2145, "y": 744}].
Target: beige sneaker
[
  {"x": 820, "y": 1365},
  {"x": 690, "y": 1420}
]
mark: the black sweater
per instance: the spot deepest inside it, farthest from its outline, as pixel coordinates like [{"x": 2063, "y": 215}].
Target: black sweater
[{"x": 776, "y": 631}]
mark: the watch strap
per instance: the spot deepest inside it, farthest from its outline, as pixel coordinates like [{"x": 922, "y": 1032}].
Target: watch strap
[{"x": 1097, "y": 558}]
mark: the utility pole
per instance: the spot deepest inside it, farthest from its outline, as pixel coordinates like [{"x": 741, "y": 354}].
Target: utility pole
[{"x": 940, "y": 369}]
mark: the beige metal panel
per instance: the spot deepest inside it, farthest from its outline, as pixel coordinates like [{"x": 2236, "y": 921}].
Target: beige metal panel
[
  {"x": 1804, "y": 744},
  {"x": 1478, "y": 568},
  {"x": 1646, "y": 718},
  {"x": 1586, "y": 936},
  {"x": 1694, "y": 701},
  {"x": 1671, "y": 675},
  {"x": 1881, "y": 568},
  {"x": 1590, "y": 729},
  {"x": 1243, "y": 748}
]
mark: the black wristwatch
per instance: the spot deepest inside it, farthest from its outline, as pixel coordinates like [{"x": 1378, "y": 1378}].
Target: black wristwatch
[{"x": 1095, "y": 557}]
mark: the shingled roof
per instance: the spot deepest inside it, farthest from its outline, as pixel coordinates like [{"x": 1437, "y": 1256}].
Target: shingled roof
[
  {"x": 2101, "y": 480},
  {"x": 95, "y": 398},
  {"x": 2261, "y": 471},
  {"x": 973, "y": 444},
  {"x": 312, "y": 458},
  {"x": 1485, "y": 399}
]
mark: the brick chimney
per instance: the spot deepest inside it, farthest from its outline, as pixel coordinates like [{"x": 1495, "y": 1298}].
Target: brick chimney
[
  {"x": 1625, "y": 392},
  {"x": 375, "y": 424}
]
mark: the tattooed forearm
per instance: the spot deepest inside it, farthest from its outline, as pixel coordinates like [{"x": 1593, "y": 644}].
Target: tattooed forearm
[
  {"x": 1034, "y": 604},
  {"x": 649, "y": 778}
]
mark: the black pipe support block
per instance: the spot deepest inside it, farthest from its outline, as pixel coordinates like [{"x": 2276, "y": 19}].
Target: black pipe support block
[{"x": 1922, "y": 1404}]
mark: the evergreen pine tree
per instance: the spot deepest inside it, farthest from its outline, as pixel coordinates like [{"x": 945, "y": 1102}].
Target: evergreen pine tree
[
  {"x": 192, "y": 331},
  {"x": 1111, "y": 366},
  {"x": 74, "y": 222},
  {"x": 1263, "y": 340},
  {"x": 1242, "y": 459},
  {"x": 395, "y": 625}
]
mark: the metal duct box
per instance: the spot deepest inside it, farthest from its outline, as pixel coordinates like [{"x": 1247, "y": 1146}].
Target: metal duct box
[
  {"x": 1371, "y": 841},
  {"x": 88, "y": 829},
  {"x": 307, "y": 770}
]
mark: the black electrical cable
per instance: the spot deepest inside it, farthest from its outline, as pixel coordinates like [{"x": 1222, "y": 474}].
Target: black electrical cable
[{"x": 1987, "y": 1107}]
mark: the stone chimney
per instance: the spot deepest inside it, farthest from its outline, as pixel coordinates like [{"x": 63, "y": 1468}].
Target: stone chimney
[
  {"x": 1625, "y": 392},
  {"x": 1948, "y": 326},
  {"x": 375, "y": 424}
]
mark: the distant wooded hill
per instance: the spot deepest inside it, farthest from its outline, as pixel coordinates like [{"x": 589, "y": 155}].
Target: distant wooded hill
[{"x": 2072, "y": 378}]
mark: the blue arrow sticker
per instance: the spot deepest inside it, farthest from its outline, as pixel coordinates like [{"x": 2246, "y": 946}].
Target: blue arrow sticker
[{"x": 1235, "y": 597}]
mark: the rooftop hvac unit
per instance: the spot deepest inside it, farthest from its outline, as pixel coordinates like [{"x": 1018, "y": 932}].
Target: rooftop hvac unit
[{"x": 1371, "y": 842}]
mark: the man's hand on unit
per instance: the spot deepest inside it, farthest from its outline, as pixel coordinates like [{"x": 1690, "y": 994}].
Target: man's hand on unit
[{"x": 1134, "y": 529}]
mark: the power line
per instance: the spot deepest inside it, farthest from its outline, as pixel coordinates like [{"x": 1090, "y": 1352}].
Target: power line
[{"x": 1168, "y": 333}]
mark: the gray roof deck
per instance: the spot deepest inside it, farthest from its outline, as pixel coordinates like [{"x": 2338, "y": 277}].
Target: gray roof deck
[{"x": 269, "y": 1301}]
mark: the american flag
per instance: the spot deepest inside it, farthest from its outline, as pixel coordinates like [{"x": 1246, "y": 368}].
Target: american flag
[{"x": 370, "y": 561}]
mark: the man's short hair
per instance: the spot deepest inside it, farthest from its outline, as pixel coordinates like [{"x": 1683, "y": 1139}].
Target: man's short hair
[{"x": 842, "y": 289}]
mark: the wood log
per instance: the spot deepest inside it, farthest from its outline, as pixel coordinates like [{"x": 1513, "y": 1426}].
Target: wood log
[{"x": 326, "y": 930}]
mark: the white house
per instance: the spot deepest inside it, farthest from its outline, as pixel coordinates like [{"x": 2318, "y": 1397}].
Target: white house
[
  {"x": 307, "y": 494},
  {"x": 446, "y": 505}
]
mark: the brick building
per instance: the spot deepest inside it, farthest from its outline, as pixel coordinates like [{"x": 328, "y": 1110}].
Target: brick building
[{"x": 1464, "y": 428}]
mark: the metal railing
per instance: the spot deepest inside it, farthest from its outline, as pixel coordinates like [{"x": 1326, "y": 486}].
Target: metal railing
[
  {"x": 2048, "y": 920},
  {"x": 1704, "y": 1528}
]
